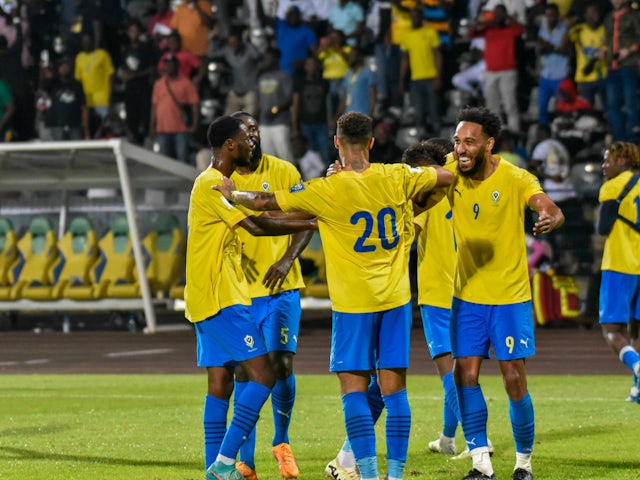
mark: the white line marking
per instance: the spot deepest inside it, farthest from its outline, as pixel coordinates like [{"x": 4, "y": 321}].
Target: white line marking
[
  {"x": 138, "y": 353},
  {"x": 37, "y": 361}
]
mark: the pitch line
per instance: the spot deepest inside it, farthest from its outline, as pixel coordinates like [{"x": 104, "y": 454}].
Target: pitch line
[{"x": 138, "y": 353}]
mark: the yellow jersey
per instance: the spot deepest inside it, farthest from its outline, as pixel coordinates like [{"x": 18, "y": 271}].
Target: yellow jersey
[
  {"x": 259, "y": 253},
  {"x": 94, "y": 70},
  {"x": 436, "y": 255},
  {"x": 622, "y": 247},
  {"x": 488, "y": 222},
  {"x": 214, "y": 273},
  {"x": 419, "y": 44},
  {"x": 361, "y": 219}
]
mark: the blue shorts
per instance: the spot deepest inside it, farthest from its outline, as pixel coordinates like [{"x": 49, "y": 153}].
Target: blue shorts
[
  {"x": 278, "y": 318},
  {"x": 619, "y": 297},
  {"x": 507, "y": 328},
  {"x": 227, "y": 338},
  {"x": 364, "y": 341},
  {"x": 435, "y": 322}
]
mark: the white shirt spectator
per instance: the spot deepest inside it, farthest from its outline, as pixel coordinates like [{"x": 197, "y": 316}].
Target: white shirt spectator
[
  {"x": 311, "y": 165},
  {"x": 555, "y": 161}
]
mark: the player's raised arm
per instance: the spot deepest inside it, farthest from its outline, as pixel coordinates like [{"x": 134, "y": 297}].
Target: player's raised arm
[{"x": 550, "y": 216}]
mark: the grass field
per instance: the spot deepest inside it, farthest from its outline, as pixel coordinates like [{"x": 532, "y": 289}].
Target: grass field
[{"x": 148, "y": 427}]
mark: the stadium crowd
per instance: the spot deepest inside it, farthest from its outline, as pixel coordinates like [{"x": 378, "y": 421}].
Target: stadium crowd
[{"x": 79, "y": 69}]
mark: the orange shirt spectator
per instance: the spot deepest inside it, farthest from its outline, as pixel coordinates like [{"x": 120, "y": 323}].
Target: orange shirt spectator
[{"x": 193, "y": 20}]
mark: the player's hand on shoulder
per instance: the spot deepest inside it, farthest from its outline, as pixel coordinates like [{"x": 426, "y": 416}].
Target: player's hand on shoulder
[
  {"x": 335, "y": 167},
  {"x": 226, "y": 188}
]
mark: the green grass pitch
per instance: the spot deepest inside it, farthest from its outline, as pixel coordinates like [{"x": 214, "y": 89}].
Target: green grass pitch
[{"x": 149, "y": 427}]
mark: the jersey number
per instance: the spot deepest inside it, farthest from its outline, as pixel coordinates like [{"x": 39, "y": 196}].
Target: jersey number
[{"x": 363, "y": 244}]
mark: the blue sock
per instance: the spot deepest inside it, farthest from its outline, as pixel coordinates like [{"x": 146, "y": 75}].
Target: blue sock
[
  {"x": 473, "y": 413},
  {"x": 362, "y": 436},
  {"x": 215, "y": 426},
  {"x": 629, "y": 357},
  {"x": 398, "y": 428},
  {"x": 522, "y": 423},
  {"x": 248, "y": 448},
  {"x": 282, "y": 397},
  {"x": 450, "y": 417},
  {"x": 374, "y": 397},
  {"x": 245, "y": 416}
]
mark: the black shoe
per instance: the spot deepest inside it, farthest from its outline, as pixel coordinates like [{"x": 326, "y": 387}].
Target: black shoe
[
  {"x": 521, "y": 474},
  {"x": 478, "y": 475}
]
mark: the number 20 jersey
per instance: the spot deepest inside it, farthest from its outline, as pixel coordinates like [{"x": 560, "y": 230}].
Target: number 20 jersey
[{"x": 362, "y": 218}]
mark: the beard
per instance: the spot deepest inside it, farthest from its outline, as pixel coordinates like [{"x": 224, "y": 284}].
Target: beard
[
  {"x": 256, "y": 154},
  {"x": 478, "y": 163}
]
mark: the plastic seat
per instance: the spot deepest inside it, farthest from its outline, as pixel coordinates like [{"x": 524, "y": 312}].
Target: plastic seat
[
  {"x": 112, "y": 274},
  {"x": 37, "y": 254},
  {"x": 78, "y": 252},
  {"x": 8, "y": 250},
  {"x": 166, "y": 245}
]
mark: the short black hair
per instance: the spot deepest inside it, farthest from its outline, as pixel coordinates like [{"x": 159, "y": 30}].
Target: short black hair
[
  {"x": 489, "y": 121},
  {"x": 428, "y": 152},
  {"x": 355, "y": 128},
  {"x": 222, "y": 129}
]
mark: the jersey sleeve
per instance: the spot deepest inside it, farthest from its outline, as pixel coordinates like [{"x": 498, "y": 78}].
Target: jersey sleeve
[{"x": 419, "y": 180}]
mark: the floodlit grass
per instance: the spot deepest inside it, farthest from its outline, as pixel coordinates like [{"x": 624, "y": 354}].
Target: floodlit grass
[{"x": 148, "y": 427}]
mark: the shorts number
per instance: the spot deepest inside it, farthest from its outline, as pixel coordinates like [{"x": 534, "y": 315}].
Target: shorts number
[
  {"x": 476, "y": 210},
  {"x": 381, "y": 219},
  {"x": 284, "y": 336},
  {"x": 509, "y": 342}
]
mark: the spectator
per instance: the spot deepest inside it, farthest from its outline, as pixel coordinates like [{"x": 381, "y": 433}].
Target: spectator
[
  {"x": 295, "y": 40},
  {"x": 193, "y": 20},
  {"x": 137, "y": 72},
  {"x": 384, "y": 148},
  {"x": 501, "y": 32},
  {"x": 191, "y": 66},
  {"x": 589, "y": 39},
  {"x": 516, "y": 9},
  {"x": 348, "y": 17},
  {"x": 555, "y": 63},
  {"x": 7, "y": 108},
  {"x": 306, "y": 8},
  {"x": 550, "y": 162},
  {"x": 274, "y": 103},
  {"x": 310, "y": 163},
  {"x": 623, "y": 53},
  {"x": 79, "y": 18},
  {"x": 569, "y": 102},
  {"x": 309, "y": 109},
  {"x": 9, "y": 16},
  {"x": 93, "y": 69},
  {"x": 578, "y": 10},
  {"x": 64, "y": 106},
  {"x": 470, "y": 79},
  {"x": 387, "y": 54},
  {"x": 358, "y": 91},
  {"x": 14, "y": 73},
  {"x": 170, "y": 93},
  {"x": 334, "y": 55},
  {"x": 421, "y": 55},
  {"x": 505, "y": 147},
  {"x": 242, "y": 57},
  {"x": 159, "y": 26}
]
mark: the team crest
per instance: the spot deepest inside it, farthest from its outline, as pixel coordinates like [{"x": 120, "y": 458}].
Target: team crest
[
  {"x": 298, "y": 187},
  {"x": 248, "y": 341},
  {"x": 265, "y": 186},
  {"x": 495, "y": 196}
]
